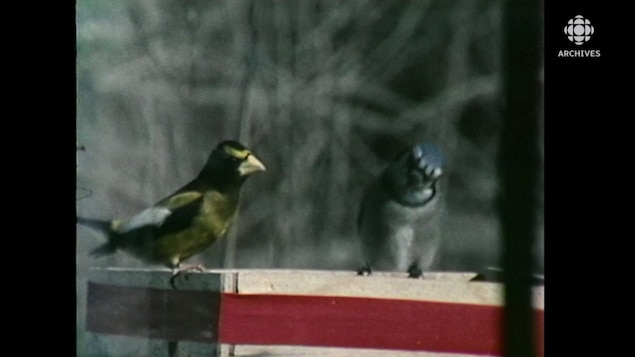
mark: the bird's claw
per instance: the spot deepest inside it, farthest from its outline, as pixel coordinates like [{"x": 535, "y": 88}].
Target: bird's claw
[
  {"x": 364, "y": 271},
  {"x": 184, "y": 269},
  {"x": 414, "y": 271}
]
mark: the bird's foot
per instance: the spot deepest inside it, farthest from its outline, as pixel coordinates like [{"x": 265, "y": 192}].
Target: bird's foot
[
  {"x": 364, "y": 271},
  {"x": 177, "y": 271},
  {"x": 414, "y": 271}
]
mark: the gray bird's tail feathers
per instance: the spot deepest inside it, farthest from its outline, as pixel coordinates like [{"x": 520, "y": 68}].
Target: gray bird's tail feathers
[{"x": 103, "y": 227}]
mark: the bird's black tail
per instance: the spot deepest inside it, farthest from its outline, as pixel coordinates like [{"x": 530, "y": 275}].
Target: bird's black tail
[
  {"x": 104, "y": 249},
  {"x": 101, "y": 226}
]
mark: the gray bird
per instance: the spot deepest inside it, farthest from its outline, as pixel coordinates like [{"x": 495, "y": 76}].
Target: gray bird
[{"x": 398, "y": 216}]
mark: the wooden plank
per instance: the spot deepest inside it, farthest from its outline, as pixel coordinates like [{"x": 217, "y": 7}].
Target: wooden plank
[
  {"x": 443, "y": 287},
  {"x": 135, "y": 312},
  {"x": 173, "y": 315},
  {"x": 336, "y": 321},
  {"x": 434, "y": 287}
]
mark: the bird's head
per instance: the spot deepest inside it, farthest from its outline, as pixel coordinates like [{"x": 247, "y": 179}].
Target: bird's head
[
  {"x": 231, "y": 162},
  {"x": 412, "y": 176},
  {"x": 424, "y": 163}
]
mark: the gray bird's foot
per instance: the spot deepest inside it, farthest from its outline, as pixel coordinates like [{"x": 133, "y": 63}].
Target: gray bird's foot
[
  {"x": 414, "y": 271},
  {"x": 177, "y": 271},
  {"x": 364, "y": 271}
]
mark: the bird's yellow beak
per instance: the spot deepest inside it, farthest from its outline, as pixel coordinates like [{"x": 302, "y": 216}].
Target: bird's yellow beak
[{"x": 251, "y": 165}]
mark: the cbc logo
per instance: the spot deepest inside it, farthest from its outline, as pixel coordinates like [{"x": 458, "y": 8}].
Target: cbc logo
[{"x": 578, "y": 30}]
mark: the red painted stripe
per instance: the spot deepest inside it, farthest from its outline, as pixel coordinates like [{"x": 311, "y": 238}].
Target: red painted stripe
[{"x": 362, "y": 323}]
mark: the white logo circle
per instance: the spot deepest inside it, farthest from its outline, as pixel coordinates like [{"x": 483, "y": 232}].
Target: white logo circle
[{"x": 578, "y": 30}]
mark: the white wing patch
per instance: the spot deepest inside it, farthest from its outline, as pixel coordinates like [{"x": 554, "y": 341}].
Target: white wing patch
[{"x": 153, "y": 216}]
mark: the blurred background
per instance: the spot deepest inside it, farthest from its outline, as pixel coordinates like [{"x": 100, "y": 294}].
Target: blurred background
[{"x": 324, "y": 92}]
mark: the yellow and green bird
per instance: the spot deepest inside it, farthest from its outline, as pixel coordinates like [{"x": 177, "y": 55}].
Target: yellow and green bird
[{"x": 189, "y": 220}]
